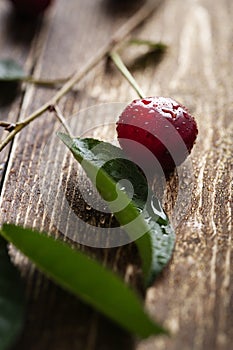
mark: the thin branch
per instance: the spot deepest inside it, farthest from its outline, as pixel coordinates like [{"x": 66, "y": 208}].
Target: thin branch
[
  {"x": 126, "y": 73},
  {"x": 20, "y": 125},
  {"x": 140, "y": 16},
  {"x": 7, "y": 126},
  {"x": 43, "y": 82},
  {"x": 61, "y": 118}
]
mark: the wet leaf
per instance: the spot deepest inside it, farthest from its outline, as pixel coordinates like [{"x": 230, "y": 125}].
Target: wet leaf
[{"x": 142, "y": 215}]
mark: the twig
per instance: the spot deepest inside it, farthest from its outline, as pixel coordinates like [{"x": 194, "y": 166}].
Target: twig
[
  {"x": 7, "y": 126},
  {"x": 4, "y": 124},
  {"x": 20, "y": 125},
  {"x": 141, "y": 15},
  {"x": 60, "y": 117},
  {"x": 44, "y": 82},
  {"x": 126, "y": 73}
]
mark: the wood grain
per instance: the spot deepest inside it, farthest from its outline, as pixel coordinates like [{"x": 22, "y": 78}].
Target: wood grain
[
  {"x": 193, "y": 296},
  {"x": 18, "y": 40}
]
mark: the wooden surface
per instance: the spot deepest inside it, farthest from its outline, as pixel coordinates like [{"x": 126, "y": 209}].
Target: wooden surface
[{"x": 193, "y": 297}]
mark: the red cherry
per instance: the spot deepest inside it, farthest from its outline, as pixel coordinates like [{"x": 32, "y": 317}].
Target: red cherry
[
  {"x": 30, "y": 8},
  {"x": 163, "y": 126}
]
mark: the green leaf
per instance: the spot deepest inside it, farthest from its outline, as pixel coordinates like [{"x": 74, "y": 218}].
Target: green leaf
[
  {"x": 155, "y": 46},
  {"x": 12, "y": 300},
  {"x": 142, "y": 216},
  {"x": 11, "y": 71},
  {"x": 84, "y": 277}
]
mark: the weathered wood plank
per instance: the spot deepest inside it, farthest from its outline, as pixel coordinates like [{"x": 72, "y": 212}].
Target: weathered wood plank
[
  {"x": 19, "y": 40},
  {"x": 77, "y": 327},
  {"x": 193, "y": 297}
]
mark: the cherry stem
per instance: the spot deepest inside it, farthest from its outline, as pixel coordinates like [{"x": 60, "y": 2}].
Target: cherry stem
[
  {"x": 139, "y": 17},
  {"x": 126, "y": 73}
]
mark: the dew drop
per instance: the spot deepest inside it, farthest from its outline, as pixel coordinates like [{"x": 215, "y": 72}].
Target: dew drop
[
  {"x": 157, "y": 209},
  {"x": 151, "y": 111}
]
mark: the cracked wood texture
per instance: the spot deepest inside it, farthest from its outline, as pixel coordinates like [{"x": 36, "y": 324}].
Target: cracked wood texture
[{"x": 193, "y": 296}]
